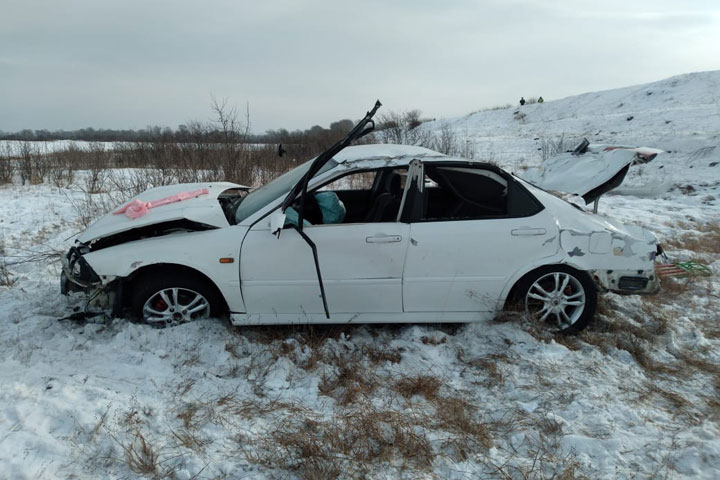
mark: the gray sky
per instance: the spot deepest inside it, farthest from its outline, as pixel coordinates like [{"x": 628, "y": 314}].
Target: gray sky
[{"x": 131, "y": 63}]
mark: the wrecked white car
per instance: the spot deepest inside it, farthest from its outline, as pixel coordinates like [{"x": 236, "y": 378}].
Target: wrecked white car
[{"x": 364, "y": 234}]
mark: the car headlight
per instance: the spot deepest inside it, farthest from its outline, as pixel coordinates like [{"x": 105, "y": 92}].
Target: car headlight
[{"x": 79, "y": 268}]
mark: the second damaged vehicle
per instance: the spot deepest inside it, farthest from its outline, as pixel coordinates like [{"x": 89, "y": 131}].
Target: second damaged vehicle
[{"x": 364, "y": 234}]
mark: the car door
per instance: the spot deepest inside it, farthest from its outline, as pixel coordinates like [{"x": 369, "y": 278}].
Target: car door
[
  {"x": 361, "y": 265},
  {"x": 461, "y": 255}
]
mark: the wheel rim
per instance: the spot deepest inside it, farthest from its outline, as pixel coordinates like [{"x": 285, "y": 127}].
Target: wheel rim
[
  {"x": 173, "y": 306},
  {"x": 557, "y": 298}
]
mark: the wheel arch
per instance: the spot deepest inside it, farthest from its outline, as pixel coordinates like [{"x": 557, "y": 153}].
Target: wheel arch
[{"x": 166, "y": 269}]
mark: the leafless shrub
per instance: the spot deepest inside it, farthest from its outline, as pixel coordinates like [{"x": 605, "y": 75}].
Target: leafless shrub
[
  {"x": 550, "y": 147},
  {"x": 6, "y": 278},
  {"x": 402, "y": 129},
  {"x": 24, "y": 161},
  {"x": 7, "y": 169}
]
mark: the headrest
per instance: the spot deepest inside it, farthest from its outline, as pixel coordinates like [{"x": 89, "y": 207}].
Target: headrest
[{"x": 393, "y": 183}]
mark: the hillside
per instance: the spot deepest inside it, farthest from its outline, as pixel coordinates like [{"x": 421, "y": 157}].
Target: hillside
[{"x": 680, "y": 114}]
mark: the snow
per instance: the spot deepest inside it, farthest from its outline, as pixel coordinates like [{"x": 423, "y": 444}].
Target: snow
[{"x": 635, "y": 396}]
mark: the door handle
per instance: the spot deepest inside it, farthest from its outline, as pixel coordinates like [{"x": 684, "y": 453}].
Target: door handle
[
  {"x": 384, "y": 239},
  {"x": 527, "y": 232}
]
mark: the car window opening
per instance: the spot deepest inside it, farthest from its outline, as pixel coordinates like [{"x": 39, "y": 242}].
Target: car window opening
[
  {"x": 359, "y": 197},
  {"x": 467, "y": 193}
]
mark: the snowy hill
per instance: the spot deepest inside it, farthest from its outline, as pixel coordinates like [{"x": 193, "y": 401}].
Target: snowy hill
[{"x": 680, "y": 114}]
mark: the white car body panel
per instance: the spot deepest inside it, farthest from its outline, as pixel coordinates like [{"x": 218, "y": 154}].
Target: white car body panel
[{"x": 202, "y": 209}]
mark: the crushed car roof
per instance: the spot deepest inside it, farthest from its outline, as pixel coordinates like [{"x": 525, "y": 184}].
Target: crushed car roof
[{"x": 385, "y": 152}]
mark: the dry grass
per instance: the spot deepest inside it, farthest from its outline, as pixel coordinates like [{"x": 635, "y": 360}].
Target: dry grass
[
  {"x": 350, "y": 444},
  {"x": 141, "y": 458},
  {"x": 422, "y": 385},
  {"x": 349, "y": 381},
  {"x": 704, "y": 238},
  {"x": 190, "y": 440},
  {"x": 488, "y": 365}
]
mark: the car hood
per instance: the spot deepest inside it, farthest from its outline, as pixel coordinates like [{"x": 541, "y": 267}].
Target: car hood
[
  {"x": 588, "y": 175},
  {"x": 203, "y": 209}
]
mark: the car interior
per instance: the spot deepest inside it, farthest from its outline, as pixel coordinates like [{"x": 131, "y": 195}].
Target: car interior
[{"x": 451, "y": 192}]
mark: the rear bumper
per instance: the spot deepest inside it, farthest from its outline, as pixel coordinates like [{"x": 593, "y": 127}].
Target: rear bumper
[{"x": 641, "y": 282}]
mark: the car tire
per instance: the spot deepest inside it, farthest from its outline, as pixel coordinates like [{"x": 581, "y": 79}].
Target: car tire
[
  {"x": 165, "y": 299},
  {"x": 560, "y": 297}
]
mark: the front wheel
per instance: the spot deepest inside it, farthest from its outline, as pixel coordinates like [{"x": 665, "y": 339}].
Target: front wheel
[
  {"x": 560, "y": 297},
  {"x": 169, "y": 300}
]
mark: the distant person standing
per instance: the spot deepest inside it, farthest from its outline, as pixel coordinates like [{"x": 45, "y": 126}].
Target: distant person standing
[
  {"x": 540, "y": 100},
  {"x": 522, "y": 101}
]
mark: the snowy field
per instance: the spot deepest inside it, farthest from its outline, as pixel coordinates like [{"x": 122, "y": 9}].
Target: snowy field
[{"x": 636, "y": 395}]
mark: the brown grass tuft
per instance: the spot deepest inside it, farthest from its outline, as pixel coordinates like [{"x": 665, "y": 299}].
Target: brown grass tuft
[
  {"x": 140, "y": 457},
  {"x": 423, "y": 385},
  {"x": 349, "y": 382}
]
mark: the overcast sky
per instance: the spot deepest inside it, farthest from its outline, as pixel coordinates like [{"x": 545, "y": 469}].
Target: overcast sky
[{"x": 132, "y": 63}]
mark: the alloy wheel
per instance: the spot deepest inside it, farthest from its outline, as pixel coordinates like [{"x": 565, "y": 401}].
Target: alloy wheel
[
  {"x": 557, "y": 298},
  {"x": 173, "y": 306}
]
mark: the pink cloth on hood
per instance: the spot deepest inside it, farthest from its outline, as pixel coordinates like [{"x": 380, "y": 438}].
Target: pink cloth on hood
[{"x": 138, "y": 208}]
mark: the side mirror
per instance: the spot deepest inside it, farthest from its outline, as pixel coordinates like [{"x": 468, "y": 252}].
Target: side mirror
[{"x": 277, "y": 222}]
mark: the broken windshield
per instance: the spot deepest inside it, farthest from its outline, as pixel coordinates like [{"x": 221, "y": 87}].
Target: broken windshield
[{"x": 260, "y": 197}]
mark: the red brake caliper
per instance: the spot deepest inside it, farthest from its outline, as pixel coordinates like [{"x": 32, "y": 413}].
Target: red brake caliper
[{"x": 160, "y": 305}]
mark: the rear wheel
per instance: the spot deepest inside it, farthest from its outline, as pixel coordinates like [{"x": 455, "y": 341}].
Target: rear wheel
[
  {"x": 168, "y": 299},
  {"x": 559, "y": 297}
]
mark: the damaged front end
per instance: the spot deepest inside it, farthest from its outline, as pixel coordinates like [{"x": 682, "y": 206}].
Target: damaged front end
[{"x": 78, "y": 276}]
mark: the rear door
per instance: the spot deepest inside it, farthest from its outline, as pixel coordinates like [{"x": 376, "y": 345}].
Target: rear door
[{"x": 476, "y": 228}]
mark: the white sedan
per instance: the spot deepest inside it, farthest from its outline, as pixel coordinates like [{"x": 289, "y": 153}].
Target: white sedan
[{"x": 364, "y": 234}]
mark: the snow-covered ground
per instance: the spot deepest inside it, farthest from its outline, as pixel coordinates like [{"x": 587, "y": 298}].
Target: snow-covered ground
[{"x": 634, "y": 396}]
